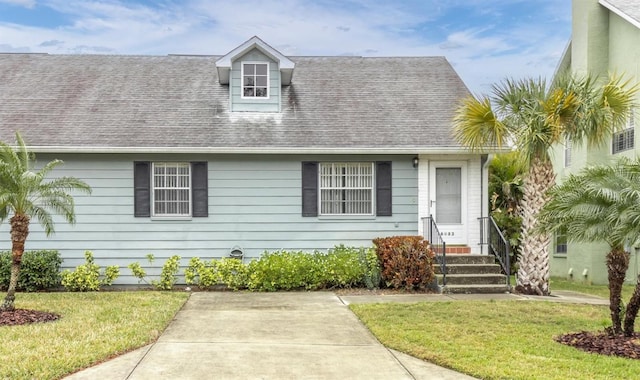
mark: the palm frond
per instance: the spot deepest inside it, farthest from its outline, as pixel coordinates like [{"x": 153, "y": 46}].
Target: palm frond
[
  {"x": 476, "y": 126},
  {"x": 29, "y": 192},
  {"x": 600, "y": 203}
]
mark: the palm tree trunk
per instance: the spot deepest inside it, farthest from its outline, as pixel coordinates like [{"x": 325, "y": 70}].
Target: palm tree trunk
[
  {"x": 617, "y": 265},
  {"x": 632, "y": 310},
  {"x": 533, "y": 269},
  {"x": 19, "y": 233}
]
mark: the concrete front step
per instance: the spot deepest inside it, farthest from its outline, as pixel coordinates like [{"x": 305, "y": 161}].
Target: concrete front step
[
  {"x": 475, "y": 289},
  {"x": 474, "y": 279},
  {"x": 470, "y": 269},
  {"x": 469, "y": 259},
  {"x": 472, "y": 274}
]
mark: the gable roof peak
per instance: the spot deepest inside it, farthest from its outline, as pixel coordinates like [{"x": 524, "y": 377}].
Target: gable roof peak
[{"x": 224, "y": 63}]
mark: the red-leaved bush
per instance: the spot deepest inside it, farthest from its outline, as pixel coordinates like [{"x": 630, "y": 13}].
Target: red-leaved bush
[{"x": 405, "y": 261}]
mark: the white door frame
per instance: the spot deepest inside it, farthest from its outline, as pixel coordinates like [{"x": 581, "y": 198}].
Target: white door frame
[{"x": 451, "y": 233}]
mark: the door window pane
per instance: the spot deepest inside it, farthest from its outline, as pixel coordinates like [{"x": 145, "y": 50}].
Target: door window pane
[{"x": 448, "y": 195}]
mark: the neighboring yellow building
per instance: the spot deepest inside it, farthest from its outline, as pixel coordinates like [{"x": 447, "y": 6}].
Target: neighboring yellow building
[{"x": 605, "y": 39}]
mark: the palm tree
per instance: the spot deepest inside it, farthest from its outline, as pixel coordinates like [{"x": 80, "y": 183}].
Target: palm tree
[
  {"x": 24, "y": 193},
  {"x": 602, "y": 203},
  {"x": 532, "y": 118}
]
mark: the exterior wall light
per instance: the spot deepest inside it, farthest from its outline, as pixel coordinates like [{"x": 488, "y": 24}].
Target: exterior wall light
[{"x": 415, "y": 162}]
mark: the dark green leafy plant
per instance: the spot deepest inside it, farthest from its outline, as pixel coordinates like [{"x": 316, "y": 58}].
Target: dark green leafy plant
[
  {"x": 506, "y": 173},
  {"x": 40, "y": 270}
]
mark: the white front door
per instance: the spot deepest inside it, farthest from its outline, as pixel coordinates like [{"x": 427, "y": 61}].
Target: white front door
[{"x": 448, "y": 194}]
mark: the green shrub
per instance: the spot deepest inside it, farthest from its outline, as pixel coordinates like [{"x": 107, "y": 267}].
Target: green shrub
[
  {"x": 86, "y": 277},
  {"x": 406, "y": 261},
  {"x": 284, "y": 270},
  {"x": 39, "y": 270},
  {"x": 168, "y": 275},
  {"x": 343, "y": 267},
  {"x": 369, "y": 261},
  {"x": 280, "y": 270},
  {"x": 226, "y": 271},
  {"x": 340, "y": 267},
  {"x": 233, "y": 273}
]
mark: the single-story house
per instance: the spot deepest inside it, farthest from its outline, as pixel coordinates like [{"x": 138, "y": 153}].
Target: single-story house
[{"x": 253, "y": 151}]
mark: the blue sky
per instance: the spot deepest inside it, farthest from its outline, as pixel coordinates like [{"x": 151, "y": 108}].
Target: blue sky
[{"x": 485, "y": 40}]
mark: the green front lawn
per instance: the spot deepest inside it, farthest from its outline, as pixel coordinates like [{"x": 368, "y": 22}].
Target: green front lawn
[
  {"x": 497, "y": 339},
  {"x": 93, "y": 327}
]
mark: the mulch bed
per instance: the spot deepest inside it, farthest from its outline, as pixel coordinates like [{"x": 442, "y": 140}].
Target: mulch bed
[
  {"x": 603, "y": 343},
  {"x": 24, "y": 316}
]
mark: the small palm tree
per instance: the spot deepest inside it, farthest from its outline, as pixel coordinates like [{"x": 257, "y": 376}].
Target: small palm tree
[
  {"x": 24, "y": 194},
  {"x": 506, "y": 172},
  {"x": 602, "y": 203},
  {"x": 532, "y": 118}
]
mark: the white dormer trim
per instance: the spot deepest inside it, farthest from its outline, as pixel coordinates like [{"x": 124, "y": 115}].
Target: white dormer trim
[{"x": 286, "y": 66}]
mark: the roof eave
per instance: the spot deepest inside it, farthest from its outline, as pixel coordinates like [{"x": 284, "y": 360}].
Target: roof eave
[
  {"x": 259, "y": 150},
  {"x": 620, "y": 13}
]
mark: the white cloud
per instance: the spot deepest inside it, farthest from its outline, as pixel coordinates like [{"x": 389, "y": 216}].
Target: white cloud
[
  {"x": 481, "y": 55},
  {"x": 23, "y": 3}
]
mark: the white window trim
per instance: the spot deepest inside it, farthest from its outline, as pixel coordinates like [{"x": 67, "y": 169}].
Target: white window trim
[
  {"x": 242, "y": 80},
  {"x": 153, "y": 191},
  {"x": 348, "y": 215},
  {"x": 630, "y": 141},
  {"x": 555, "y": 244}
]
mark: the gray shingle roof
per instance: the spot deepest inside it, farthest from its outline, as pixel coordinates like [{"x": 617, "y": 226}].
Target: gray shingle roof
[
  {"x": 176, "y": 103},
  {"x": 629, "y": 8}
]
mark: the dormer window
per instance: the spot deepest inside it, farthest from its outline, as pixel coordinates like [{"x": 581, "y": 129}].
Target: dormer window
[{"x": 255, "y": 80}]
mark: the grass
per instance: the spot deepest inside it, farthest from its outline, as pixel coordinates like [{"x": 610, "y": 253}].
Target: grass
[
  {"x": 94, "y": 327},
  {"x": 497, "y": 339},
  {"x": 596, "y": 290}
]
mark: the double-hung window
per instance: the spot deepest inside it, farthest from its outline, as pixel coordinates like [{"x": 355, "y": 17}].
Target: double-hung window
[
  {"x": 624, "y": 140},
  {"x": 255, "y": 80},
  {"x": 561, "y": 242},
  {"x": 346, "y": 188},
  {"x": 170, "y": 189}
]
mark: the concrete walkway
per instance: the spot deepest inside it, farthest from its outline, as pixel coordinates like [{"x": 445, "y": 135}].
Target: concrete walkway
[{"x": 310, "y": 335}]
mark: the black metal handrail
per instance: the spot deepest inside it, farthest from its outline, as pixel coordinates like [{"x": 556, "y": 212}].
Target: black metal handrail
[
  {"x": 438, "y": 245},
  {"x": 491, "y": 236}
]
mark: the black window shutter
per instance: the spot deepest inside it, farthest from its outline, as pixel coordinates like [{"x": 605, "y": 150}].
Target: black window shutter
[
  {"x": 309, "y": 189},
  {"x": 142, "y": 188},
  {"x": 383, "y": 188},
  {"x": 199, "y": 189}
]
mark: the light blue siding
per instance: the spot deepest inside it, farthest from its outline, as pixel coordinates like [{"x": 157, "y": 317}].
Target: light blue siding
[
  {"x": 238, "y": 104},
  {"x": 254, "y": 202}
]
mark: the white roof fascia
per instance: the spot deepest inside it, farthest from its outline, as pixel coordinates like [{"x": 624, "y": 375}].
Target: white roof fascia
[
  {"x": 224, "y": 64},
  {"x": 259, "y": 150},
  {"x": 620, "y": 13}
]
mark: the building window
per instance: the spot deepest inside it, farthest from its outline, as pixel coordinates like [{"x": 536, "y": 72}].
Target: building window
[
  {"x": 561, "y": 242},
  {"x": 567, "y": 152},
  {"x": 147, "y": 202},
  {"x": 346, "y": 188},
  {"x": 624, "y": 140},
  {"x": 255, "y": 80},
  {"x": 171, "y": 189}
]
